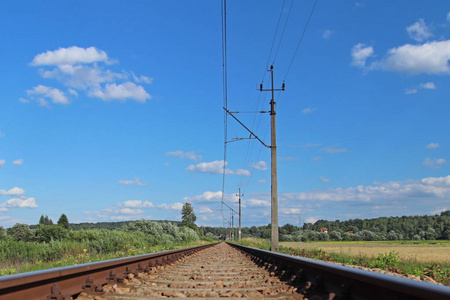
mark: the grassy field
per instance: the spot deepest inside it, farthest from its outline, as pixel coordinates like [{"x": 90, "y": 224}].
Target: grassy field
[{"x": 423, "y": 251}]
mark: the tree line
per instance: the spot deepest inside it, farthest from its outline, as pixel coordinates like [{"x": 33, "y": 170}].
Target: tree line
[
  {"x": 436, "y": 227},
  {"x": 425, "y": 227}
]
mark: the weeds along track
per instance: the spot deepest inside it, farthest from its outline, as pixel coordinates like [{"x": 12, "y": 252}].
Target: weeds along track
[{"x": 213, "y": 271}]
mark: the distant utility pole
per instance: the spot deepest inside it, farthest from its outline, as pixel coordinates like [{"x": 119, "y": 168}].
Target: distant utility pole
[
  {"x": 239, "y": 194},
  {"x": 232, "y": 226},
  {"x": 299, "y": 228},
  {"x": 273, "y": 148}
]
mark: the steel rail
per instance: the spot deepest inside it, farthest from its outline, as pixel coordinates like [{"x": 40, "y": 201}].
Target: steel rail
[
  {"x": 65, "y": 282},
  {"x": 343, "y": 282}
]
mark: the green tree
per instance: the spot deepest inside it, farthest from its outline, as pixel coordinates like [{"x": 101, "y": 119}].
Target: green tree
[
  {"x": 46, "y": 233},
  {"x": 2, "y": 232},
  {"x": 20, "y": 232},
  {"x": 48, "y": 221},
  {"x": 63, "y": 221},
  {"x": 188, "y": 217},
  {"x": 45, "y": 220}
]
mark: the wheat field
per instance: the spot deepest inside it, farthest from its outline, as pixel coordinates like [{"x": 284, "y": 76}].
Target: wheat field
[{"x": 424, "y": 252}]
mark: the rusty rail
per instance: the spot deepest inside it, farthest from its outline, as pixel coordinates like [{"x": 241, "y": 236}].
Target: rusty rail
[
  {"x": 340, "y": 282},
  {"x": 63, "y": 283}
]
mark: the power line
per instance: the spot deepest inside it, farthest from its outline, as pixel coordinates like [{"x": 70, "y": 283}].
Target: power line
[
  {"x": 273, "y": 41},
  {"x": 282, "y": 34},
  {"x": 225, "y": 95},
  {"x": 301, "y": 39},
  {"x": 250, "y": 146}
]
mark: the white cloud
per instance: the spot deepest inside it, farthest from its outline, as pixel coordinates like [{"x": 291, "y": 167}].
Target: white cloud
[
  {"x": 438, "y": 210},
  {"x": 311, "y": 220},
  {"x": 208, "y": 196},
  {"x": 360, "y": 53},
  {"x": 55, "y": 95},
  {"x": 260, "y": 165},
  {"x": 70, "y": 56},
  {"x": 419, "y": 31},
  {"x": 262, "y": 181},
  {"x": 147, "y": 204},
  {"x": 410, "y": 91},
  {"x": 204, "y": 210},
  {"x": 428, "y": 85},
  {"x": 308, "y": 110},
  {"x": 82, "y": 69},
  {"x": 448, "y": 16},
  {"x": 327, "y": 33},
  {"x": 434, "y": 163},
  {"x": 432, "y": 187},
  {"x": 18, "y": 162},
  {"x": 215, "y": 167},
  {"x": 15, "y": 191},
  {"x": 437, "y": 181},
  {"x": 290, "y": 211},
  {"x": 73, "y": 92},
  {"x": 137, "y": 204},
  {"x": 20, "y": 202},
  {"x": 2, "y": 162},
  {"x": 142, "y": 79},
  {"x": 253, "y": 202},
  {"x": 323, "y": 179},
  {"x": 130, "y": 211},
  {"x": 242, "y": 172},
  {"x": 173, "y": 206},
  {"x": 136, "y": 181},
  {"x": 317, "y": 158},
  {"x": 121, "y": 92},
  {"x": 82, "y": 77},
  {"x": 132, "y": 203},
  {"x": 2, "y": 134},
  {"x": 189, "y": 155},
  {"x": 431, "y": 58},
  {"x": 432, "y": 146},
  {"x": 333, "y": 149}
]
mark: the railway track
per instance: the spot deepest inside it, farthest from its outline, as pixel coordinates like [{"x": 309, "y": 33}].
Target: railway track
[{"x": 213, "y": 271}]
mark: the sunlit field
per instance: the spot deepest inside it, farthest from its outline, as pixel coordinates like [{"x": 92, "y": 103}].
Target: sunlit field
[{"x": 423, "y": 252}]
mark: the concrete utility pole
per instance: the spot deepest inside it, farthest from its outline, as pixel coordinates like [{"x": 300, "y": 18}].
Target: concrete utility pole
[
  {"x": 273, "y": 147},
  {"x": 300, "y": 228},
  {"x": 232, "y": 226},
  {"x": 240, "y": 212}
]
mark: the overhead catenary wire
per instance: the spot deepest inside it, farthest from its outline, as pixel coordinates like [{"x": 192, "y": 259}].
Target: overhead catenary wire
[
  {"x": 282, "y": 34},
  {"x": 273, "y": 41},
  {"x": 225, "y": 96},
  {"x": 250, "y": 146},
  {"x": 301, "y": 39}
]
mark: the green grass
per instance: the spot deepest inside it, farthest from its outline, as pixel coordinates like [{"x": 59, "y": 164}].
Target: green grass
[
  {"x": 421, "y": 242},
  {"x": 83, "y": 246},
  {"x": 389, "y": 261},
  {"x": 86, "y": 257}
]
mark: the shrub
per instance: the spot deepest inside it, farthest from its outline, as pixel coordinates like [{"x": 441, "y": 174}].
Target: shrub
[
  {"x": 386, "y": 261},
  {"x": 20, "y": 232},
  {"x": 46, "y": 233}
]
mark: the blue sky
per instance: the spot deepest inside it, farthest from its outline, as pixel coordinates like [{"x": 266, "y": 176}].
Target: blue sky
[{"x": 112, "y": 110}]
